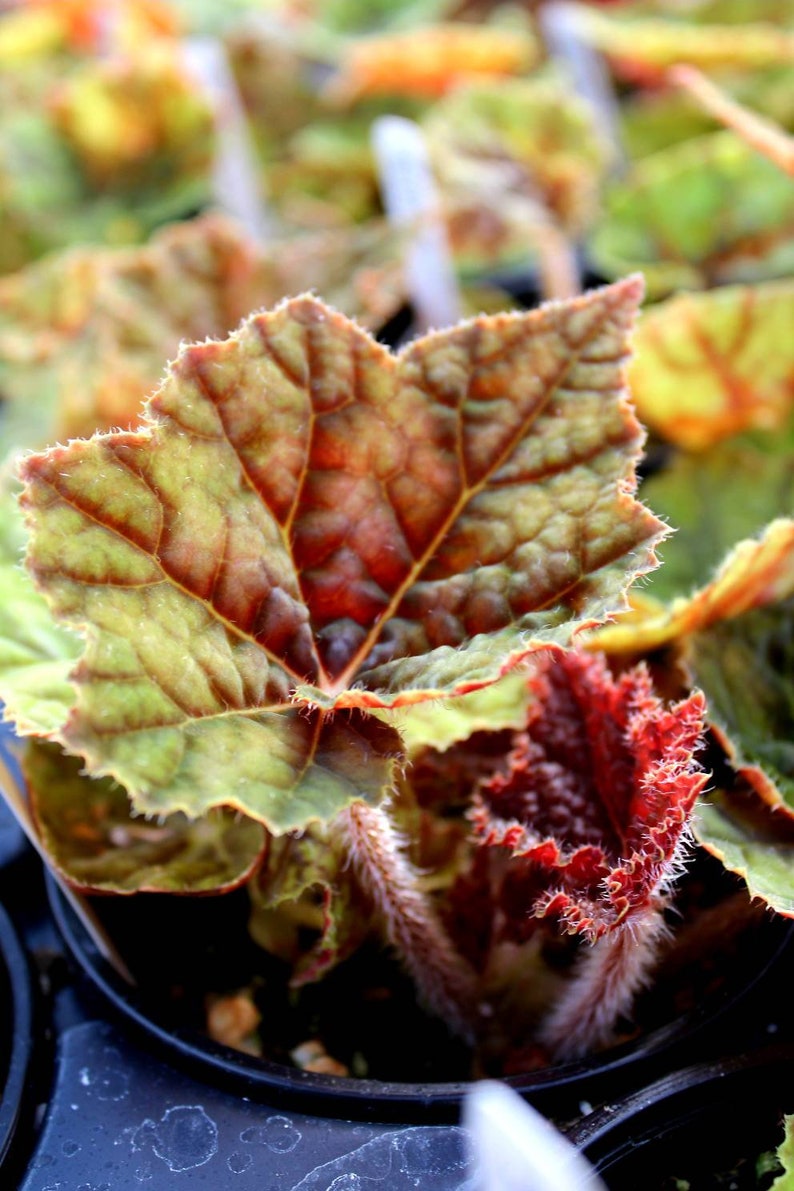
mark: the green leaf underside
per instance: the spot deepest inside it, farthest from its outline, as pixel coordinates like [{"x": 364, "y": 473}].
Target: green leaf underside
[
  {"x": 745, "y": 667},
  {"x": 304, "y": 512},
  {"x": 763, "y": 858},
  {"x": 93, "y": 840}
]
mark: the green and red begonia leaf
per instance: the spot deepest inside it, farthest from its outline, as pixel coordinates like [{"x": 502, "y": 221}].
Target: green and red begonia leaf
[
  {"x": 599, "y": 791},
  {"x": 305, "y": 528},
  {"x": 92, "y": 839}
]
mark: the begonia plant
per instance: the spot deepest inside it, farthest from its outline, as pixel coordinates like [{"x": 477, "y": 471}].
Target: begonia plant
[
  {"x": 309, "y": 553},
  {"x": 379, "y": 640}
]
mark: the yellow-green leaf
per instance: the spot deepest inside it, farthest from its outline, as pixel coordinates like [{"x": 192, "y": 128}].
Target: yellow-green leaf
[{"x": 710, "y": 365}]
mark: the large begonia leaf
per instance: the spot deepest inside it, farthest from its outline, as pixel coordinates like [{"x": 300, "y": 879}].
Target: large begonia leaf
[
  {"x": 669, "y": 217},
  {"x": 757, "y": 572},
  {"x": 710, "y": 365},
  {"x": 306, "y": 527},
  {"x": 91, "y": 838},
  {"x": 502, "y": 150},
  {"x": 85, "y": 335}
]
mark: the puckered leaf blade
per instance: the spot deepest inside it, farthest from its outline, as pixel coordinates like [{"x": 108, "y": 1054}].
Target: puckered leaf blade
[{"x": 304, "y": 521}]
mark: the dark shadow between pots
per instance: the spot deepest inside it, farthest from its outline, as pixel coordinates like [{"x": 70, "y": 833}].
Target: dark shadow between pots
[{"x": 180, "y": 939}]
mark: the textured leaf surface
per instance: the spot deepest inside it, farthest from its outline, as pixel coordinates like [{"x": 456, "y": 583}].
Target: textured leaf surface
[
  {"x": 85, "y": 335},
  {"x": 669, "y": 218},
  {"x": 710, "y": 365},
  {"x": 599, "y": 789},
  {"x": 90, "y": 836},
  {"x": 757, "y": 572},
  {"x": 307, "y": 522}
]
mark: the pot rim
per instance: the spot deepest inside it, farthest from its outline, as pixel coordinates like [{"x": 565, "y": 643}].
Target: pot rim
[
  {"x": 371, "y": 1098},
  {"x": 20, "y": 1012},
  {"x": 683, "y": 1098}
]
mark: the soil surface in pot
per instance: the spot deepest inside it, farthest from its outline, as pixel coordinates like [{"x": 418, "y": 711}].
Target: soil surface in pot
[{"x": 187, "y": 952}]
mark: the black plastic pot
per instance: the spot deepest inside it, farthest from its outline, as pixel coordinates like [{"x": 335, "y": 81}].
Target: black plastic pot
[
  {"x": 711, "y": 1024},
  {"x": 702, "y": 1124},
  {"x": 17, "y": 1045}
]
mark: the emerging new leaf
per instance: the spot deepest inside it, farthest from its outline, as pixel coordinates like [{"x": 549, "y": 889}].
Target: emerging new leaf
[
  {"x": 305, "y": 528},
  {"x": 598, "y": 794},
  {"x": 669, "y": 217}
]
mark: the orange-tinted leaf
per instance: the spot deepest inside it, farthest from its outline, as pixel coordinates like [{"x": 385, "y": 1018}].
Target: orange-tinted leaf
[
  {"x": 429, "y": 61},
  {"x": 305, "y": 524}
]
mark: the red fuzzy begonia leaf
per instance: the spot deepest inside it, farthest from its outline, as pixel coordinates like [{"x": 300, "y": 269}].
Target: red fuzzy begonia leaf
[
  {"x": 600, "y": 789},
  {"x": 306, "y": 527}
]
